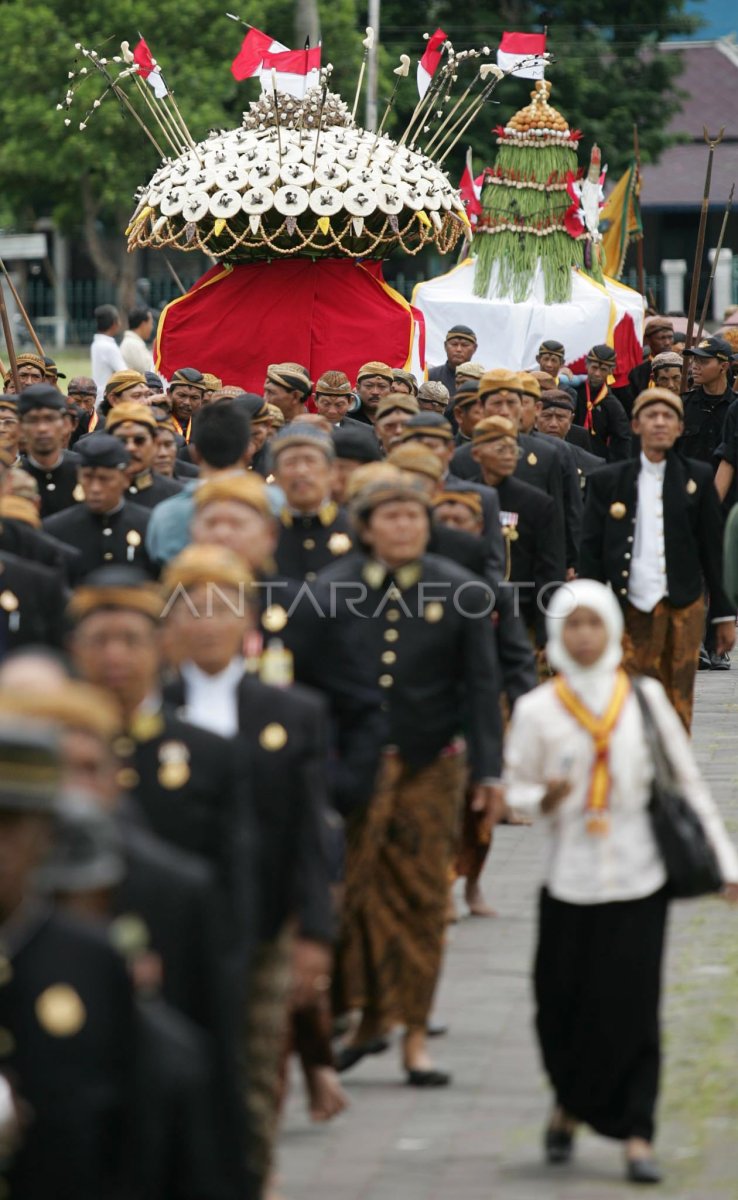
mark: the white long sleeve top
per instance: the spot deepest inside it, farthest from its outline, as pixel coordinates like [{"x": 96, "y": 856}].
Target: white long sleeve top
[{"x": 545, "y": 742}]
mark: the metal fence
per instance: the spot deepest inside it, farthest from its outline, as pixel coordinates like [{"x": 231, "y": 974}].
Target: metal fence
[{"x": 83, "y": 297}]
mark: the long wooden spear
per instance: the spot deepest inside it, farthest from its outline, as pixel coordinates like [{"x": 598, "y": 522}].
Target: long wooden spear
[
  {"x": 4, "y": 319},
  {"x": 697, "y": 265},
  {"x": 715, "y": 261},
  {"x": 639, "y": 241},
  {"x": 22, "y": 311}
]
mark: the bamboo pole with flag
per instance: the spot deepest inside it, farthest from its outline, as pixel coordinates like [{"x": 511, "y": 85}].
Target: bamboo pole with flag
[
  {"x": 620, "y": 221},
  {"x": 430, "y": 62}
]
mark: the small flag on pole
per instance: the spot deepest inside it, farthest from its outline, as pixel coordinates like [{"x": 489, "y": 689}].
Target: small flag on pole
[
  {"x": 428, "y": 64},
  {"x": 620, "y": 221},
  {"x": 255, "y": 45},
  {"x": 297, "y": 70},
  {"x": 149, "y": 69},
  {"x": 522, "y": 48},
  {"x": 470, "y": 190}
]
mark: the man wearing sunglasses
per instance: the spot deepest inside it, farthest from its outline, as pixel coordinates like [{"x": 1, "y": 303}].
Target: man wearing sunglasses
[{"x": 135, "y": 426}]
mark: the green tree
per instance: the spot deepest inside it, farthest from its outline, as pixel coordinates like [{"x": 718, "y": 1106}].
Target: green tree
[
  {"x": 607, "y": 74},
  {"x": 86, "y": 180}
]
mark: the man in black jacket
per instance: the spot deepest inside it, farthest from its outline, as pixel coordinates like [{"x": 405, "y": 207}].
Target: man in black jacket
[
  {"x": 135, "y": 427},
  {"x": 106, "y": 528},
  {"x": 599, "y": 411},
  {"x": 66, "y": 1010},
  {"x": 283, "y": 732},
  {"x": 41, "y": 409},
  {"x": 539, "y": 464},
  {"x": 653, "y": 530},
  {"x": 424, "y": 624},
  {"x": 534, "y": 568},
  {"x": 313, "y": 531}
]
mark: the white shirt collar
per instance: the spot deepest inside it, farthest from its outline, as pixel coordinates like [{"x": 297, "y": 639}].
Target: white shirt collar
[
  {"x": 657, "y": 469},
  {"x": 228, "y": 676}
]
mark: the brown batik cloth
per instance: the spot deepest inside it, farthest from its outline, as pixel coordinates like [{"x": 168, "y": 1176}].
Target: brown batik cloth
[
  {"x": 265, "y": 1032},
  {"x": 665, "y": 644},
  {"x": 399, "y": 855}
]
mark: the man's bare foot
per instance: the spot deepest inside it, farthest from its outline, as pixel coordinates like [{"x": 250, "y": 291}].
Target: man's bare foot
[
  {"x": 475, "y": 901},
  {"x": 327, "y": 1097},
  {"x": 452, "y": 915},
  {"x": 415, "y": 1054},
  {"x": 513, "y": 817}
]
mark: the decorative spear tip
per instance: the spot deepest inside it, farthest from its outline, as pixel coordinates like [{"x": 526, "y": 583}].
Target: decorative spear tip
[
  {"x": 404, "y": 67},
  {"x": 491, "y": 69},
  {"x": 125, "y": 49},
  {"x": 368, "y": 41}
]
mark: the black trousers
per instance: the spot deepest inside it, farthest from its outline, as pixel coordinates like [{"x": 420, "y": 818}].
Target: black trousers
[{"x": 597, "y": 986}]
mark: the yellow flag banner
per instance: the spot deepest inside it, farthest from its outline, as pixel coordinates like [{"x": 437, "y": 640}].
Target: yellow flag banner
[{"x": 620, "y": 221}]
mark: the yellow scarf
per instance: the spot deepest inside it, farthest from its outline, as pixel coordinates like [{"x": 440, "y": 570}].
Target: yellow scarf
[{"x": 600, "y": 730}]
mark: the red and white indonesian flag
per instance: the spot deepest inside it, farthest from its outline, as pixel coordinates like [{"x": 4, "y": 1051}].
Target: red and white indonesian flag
[
  {"x": 149, "y": 69},
  {"x": 260, "y": 54},
  {"x": 470, "y": 190},
  {"x": 428, "y": 64},
  {"x": 526, "y": 49}
]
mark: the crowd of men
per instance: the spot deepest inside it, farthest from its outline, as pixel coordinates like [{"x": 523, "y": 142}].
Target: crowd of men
[{"x": 256, "y": 656}]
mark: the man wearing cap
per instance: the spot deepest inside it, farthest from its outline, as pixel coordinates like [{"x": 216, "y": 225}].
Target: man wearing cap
[
  {"x": 313, "y": 530},
  {"x": 433, "y": 657},
  {"x": 165, "y": 461},
  {"x": 392, "y": 415},
  {"x": 658, "y": 336},
  {"x": 82, "y": 391},
  {"x": 184, "y": 395},
  {"x": 105, "y": 528},
  {"x": 534, "y": 565},
  {"x": 404, "y": 381},
  {"x": 666, "y": 371},
  {"x": 355, "y": 446},
  {"x": 333, "y": 399},
  {"x": 288, "y": 385},
  {"x": 66, "y": 1008},
  {"x": 653, "y": 530},
  {"x": 134, "y": 425},
  {"x": 31, "y": 370},
  {"x": 190, "y": 786},
  {"x": 433, "y": 396},
  {"x": 41, "y": 409},
  {"x": 124, "y": 387},
  {"x": 373, "y": 382},
  {"x": 31, "y": 603},
  {"x": 10, "y": 426},
  {"x": 467, "y": 409},
  {"x": 555, "y": 417},
  {"x": 233, "y": 512},
  {"x": 501, "y": 395},
  {"x": 600, "y": 412},
  {"x": 550, "y": 358},
  {"x": 460, "y": 344},
  {"x": 530, "y": 394},
  {"x": 706, "y": 405}
]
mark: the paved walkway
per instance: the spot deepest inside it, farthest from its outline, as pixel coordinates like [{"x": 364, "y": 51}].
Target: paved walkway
[{"x": 480, "y": 1139}]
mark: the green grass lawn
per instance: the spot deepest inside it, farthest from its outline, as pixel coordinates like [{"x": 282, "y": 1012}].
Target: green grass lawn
[{"x": 73, "y": 360}]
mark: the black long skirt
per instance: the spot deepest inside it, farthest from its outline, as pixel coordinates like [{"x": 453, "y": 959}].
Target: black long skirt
[{"x": 598, "y": 986}]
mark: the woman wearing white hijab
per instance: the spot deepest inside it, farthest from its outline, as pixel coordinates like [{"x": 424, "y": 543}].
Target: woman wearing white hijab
[{"x": 576, "y": 751}]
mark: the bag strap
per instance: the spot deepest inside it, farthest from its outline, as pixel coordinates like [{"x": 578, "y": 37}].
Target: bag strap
[{"x": 663, "y": 770}]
